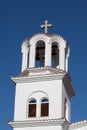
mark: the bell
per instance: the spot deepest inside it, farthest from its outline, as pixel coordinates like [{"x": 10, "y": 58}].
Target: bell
[
  {"x": 37, "y": 55},
  {"x": 54, "y": 52},
  {"x": 43, "y": 57}
]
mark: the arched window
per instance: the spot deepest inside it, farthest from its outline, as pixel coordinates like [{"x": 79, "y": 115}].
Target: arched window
[
  {"x": 55, "y": 55},
  {"x": 44, "y": 107},
  {"x": 40, "y": 54},
  {"x": 32, "y": 108},
  {"x": 65, "y": 108}
]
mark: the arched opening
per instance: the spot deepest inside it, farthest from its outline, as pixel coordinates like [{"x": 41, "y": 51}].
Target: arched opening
[
  {"x": 32, "y": 108},
  {"x": 44, "y": 107},
  {"x": 65, "y": 108},
  {"x": 55, "y": 55},
  {"x": 40, "y": 54}
]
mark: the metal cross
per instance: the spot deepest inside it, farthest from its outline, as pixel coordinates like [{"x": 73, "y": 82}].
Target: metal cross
[{"x": 46, "y": 26}]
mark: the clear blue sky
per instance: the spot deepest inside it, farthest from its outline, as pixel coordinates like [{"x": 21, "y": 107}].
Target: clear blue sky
[{"x": 22, "y": 18}]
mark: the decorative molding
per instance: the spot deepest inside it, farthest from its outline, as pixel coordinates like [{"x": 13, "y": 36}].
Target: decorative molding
[
  {"x": 36, "y": 78},
  {"x": 38, "y": 123},
  {"x": 77, "y": 125},
  {"x": 46, "y": 34},
  {"x": 43, "y": 73}
]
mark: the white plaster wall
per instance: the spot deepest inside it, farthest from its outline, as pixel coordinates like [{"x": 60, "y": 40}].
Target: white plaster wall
[
  {"x": 41, "y": 128},
  {"x": 81, "y": 128},
  {"x": 65, "y": 95},
  {"x": 52, "y": 88}
]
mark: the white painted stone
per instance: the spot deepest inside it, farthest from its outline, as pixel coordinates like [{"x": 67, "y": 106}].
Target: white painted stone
[
  {"x": 41, "y": 128},
  {"x": 48, "y": 40},
  {"x": 53, "y": 90},
  {"x": 24, "y": 50},
  {"x": 44, "y": 82}
]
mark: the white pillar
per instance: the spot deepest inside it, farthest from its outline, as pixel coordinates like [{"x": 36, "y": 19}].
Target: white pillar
[
  {"x": 69, "y": 113},
  {"x": 66, "y": 63},
  {"x": 32, "y": 56},
  {"x": 48, "y": 54},
  {"x": 62, "y": 58},
  {"x": 38, "y": 109},
  {"x": 24, "y": 55},
  {"x": 67, "y": 59}
]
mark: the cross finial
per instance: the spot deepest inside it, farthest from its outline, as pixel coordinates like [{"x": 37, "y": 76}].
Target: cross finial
[{"x": 46, "y": 26}]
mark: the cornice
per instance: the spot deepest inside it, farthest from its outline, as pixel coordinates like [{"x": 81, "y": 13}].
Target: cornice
[
  {"x": 46, "y": 77},
  {"x": 77, "y": 125},
  {"x": 38, "y": 123},
  {"x": 45, "y": 74},
  {"x": 42, "y": 74}
]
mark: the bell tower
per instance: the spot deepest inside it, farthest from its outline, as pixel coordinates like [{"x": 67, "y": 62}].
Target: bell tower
[
  {"x": 43, "y": 89},
  {"x": 45, "y": 49}
]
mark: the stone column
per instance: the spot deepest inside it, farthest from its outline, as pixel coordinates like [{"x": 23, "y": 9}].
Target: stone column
[
  {"x": 38, "y": 109},
  {"x": 62, "y": 58},
  {"x": 24, "y": 55},
  {"x": 66, "y": 63},
  {"x": 32, "y": 56},
  {"x": 67, "y": 59},
  {"x": 48, "y": 54}
]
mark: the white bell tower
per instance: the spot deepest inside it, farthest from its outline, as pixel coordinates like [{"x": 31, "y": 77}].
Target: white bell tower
[
  {"x": 43, "y": 89},
  {"x": 44, "y": 50}
]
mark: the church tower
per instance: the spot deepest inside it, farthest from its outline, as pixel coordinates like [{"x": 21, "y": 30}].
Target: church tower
[{"x": 43, "y": 89}]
